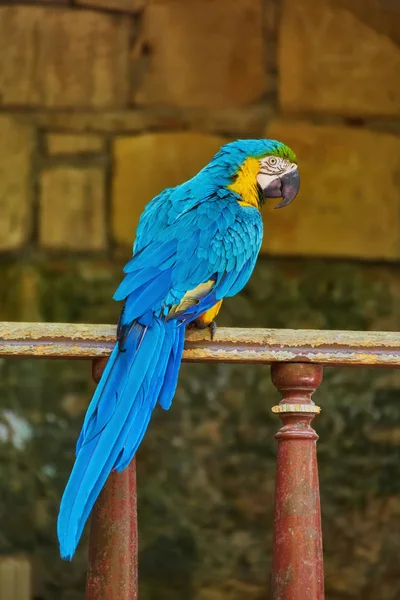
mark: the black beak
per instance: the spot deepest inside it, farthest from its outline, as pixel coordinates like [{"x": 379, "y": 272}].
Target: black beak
[{"x": 285, "y": 187}]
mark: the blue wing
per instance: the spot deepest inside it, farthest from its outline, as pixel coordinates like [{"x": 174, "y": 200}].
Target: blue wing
[{"x": 212, "y": 243}]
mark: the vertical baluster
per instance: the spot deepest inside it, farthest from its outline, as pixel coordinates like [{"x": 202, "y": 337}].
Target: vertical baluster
[
  {"x": 113, "y": 550},
  {"x": 297, "y": 564}
]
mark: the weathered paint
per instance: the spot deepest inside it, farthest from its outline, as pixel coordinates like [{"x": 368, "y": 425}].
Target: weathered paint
[
  {"x": 113, "y": 549},
  {"x": 297, "y": 563},
  {"x": 352, "y": 348}
]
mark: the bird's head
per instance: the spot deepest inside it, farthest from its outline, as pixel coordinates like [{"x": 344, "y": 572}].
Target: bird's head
[{"x": 260, "y": 169}]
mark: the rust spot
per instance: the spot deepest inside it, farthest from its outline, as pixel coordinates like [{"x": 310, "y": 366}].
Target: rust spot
[{"x": 281, "y": 579}]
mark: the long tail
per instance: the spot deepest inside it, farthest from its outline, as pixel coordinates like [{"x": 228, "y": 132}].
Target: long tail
[{"x": 117, "y": 418}]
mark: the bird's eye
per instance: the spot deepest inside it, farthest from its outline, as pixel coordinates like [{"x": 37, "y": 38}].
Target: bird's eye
[{"x": 272, "y": 165}]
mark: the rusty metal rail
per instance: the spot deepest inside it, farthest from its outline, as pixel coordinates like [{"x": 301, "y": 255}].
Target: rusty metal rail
[
  {"x": 297, "y": 358},
  {"x": 352, "y": 348}
]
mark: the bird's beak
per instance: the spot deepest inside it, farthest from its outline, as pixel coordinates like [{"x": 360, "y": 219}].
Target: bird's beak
[{"x": 286, "y": 187}]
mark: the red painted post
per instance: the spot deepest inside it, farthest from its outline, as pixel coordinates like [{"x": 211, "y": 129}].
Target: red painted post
[
  {"x": 297, "y": 563},
  {"x": 113, "y": 549}
]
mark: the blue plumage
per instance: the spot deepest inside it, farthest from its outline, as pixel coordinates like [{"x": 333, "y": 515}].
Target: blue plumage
[{"x": 196, "y": 234}]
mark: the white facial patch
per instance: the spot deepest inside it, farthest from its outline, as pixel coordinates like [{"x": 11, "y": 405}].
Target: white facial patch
[{"x": 272, "y": 167}]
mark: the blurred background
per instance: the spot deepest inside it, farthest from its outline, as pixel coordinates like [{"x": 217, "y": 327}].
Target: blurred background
[{"x": 103, "y": 103}]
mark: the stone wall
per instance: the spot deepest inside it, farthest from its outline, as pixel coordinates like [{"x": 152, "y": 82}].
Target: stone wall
[
  {"x": 106, "y": 103},
  {"x": 103, "y": 103}
]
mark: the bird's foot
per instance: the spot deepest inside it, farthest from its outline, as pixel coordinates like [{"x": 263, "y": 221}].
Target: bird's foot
[{"x": 212, "y": 326}]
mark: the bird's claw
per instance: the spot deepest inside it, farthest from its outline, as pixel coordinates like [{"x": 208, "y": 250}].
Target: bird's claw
[{"x": 212, "y": 326}]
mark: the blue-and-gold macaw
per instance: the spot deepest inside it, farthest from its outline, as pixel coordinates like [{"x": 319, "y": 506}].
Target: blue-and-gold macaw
[{"x": 196, "y": 244}]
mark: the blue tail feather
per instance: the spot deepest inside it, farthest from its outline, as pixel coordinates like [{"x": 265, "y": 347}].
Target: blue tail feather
[
  {"x": 94, "y": 411},
  {"x": 148, "y": 396},
  {"x": 117, "y": 419},
  {"x": 171, "y": 374}
]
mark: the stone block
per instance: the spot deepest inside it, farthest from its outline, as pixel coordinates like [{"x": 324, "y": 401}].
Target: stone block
[
  {"x": 15, "y": 578},
  {"x": 201, "y": 53},
  {"x": 72, "y": 209},
  {"x": 69, "y": 143},
  {"x": 144, "y": 165},
  {"x": 348, "y": 204},
  {"x": 57, "y": 57},
  {"x": 340, "y": 57},
  {"x": 16, "y": 145}
]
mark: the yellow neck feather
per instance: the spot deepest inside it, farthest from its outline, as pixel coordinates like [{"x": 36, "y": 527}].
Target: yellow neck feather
[{"x": 245, "y": 183}]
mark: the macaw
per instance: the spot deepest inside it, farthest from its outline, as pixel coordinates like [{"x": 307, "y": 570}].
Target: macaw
[{"x": 196, "y": 244}]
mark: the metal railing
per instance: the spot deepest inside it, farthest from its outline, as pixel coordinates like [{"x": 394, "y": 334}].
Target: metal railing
[{"x": 297, "y": 358}]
